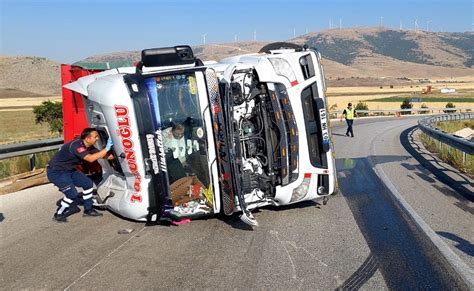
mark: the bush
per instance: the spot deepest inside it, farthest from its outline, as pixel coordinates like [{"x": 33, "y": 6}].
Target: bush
[
  {"x": 361, "y": 106},
  {"x": 424, "y": 111},
  {"x": 449, "y": 105},
  {"x": 406, "y": 104},
  {"x": 51, "y": 113}
]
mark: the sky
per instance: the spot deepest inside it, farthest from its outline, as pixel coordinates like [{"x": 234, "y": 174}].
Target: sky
[{"x": 70, "y": 30}]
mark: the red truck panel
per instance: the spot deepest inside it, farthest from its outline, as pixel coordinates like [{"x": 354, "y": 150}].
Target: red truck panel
[{"x": 74, "y": 117}]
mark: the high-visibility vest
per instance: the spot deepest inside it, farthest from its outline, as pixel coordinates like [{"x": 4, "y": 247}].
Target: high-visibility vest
[{"x": 349, "y": 113}]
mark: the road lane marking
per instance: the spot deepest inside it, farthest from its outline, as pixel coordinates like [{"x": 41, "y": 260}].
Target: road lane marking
[
  {"x": 464, "y": 271},
  {"x": 103, "y": 259}
]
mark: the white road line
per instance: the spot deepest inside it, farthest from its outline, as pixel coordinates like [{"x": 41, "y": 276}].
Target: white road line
[
  {"x": 103, "y": 259},
  {"x": 464, "y": 271}
]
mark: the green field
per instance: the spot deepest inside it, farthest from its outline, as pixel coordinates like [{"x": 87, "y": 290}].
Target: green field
[
  {"x": 425, "y": 99},
  {"x": 19, "y": 126}
]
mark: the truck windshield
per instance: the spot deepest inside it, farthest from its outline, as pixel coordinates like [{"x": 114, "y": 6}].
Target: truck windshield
[{"x": 177, "y": 112}]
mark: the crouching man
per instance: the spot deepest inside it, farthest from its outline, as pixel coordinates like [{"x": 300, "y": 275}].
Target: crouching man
[{"x": 61, "y": 171}]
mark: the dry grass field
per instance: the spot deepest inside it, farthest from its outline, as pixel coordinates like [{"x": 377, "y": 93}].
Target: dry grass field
[
  {"x": 340, "y": 96},
  {"x": 24, "y": 102},
  {"x": 19, "y": 126}
]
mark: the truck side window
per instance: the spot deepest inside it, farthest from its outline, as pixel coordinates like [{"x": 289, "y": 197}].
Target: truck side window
[
  {"x": 312, "y": 123},
  {"x": 115, "y": 162}
]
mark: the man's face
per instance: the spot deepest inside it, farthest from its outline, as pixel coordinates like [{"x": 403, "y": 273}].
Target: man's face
[
  {"x": 178, "y": 133},
  {"x": 92, "y": 138}
]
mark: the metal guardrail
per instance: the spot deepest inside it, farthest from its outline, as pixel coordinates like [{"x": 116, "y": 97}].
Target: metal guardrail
[
  {"x": 30, "y": 147},
  {"x": 416, "y": 110},
  {"x": 426, "y": 125}
]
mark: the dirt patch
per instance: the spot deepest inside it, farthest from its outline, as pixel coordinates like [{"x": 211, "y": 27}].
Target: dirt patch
[{"x": 23, "y": 181}]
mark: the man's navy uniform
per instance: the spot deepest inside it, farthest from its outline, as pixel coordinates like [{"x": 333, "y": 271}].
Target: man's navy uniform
[{"x": 61, "y": 171}]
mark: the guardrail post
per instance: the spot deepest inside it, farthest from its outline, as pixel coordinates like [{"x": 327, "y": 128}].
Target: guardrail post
[{"x": 32, "y": 162}]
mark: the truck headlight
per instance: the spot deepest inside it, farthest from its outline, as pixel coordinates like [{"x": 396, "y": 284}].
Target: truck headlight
[
  {"x": 301, "y": 191},
  {"x": 283, "y": 68}
]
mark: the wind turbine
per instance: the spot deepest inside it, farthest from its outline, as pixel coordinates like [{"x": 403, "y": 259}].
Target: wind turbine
[{"x": 204, "y": 38}]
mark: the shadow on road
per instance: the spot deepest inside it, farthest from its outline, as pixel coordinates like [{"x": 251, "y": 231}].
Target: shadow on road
[
  {"x": 463, "y": 245},
  {"x": 405, "y": 256}
]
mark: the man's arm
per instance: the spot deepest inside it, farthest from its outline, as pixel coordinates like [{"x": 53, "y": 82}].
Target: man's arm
[
  {"x": 100, "y": 154},
  {"x": 343, "y": 113},
  {"x": 94, "y": 157}
]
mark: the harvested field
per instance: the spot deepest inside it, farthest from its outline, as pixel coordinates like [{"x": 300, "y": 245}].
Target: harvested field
[
  {"x": 340, "y": 96},
  {"x": 19, "y": 126},
  {"x": 25, "y": 102}
]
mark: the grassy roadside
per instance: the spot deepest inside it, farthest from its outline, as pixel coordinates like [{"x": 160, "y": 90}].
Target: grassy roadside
[
  {"x": 18, "y": 165},
  {"x": 446, "y": 153},
  {"x": 19, "y": 126},
  {"x": 453, "y": 126}
]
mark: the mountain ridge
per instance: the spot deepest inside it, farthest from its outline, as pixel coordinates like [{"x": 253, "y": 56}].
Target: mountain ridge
[{"x": 349, "y": 54}]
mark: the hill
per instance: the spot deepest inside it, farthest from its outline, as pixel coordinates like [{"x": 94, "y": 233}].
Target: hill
[
  {"x": 366, "y": 56},
  {"x": 28, "y": 76},
  {"x": 376, "y": 52},
  {"x": 352, "y": 57}
]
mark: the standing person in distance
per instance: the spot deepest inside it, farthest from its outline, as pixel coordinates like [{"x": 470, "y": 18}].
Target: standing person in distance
[
  {"x": 62, "y": 172},
  {"x": 349, "y": 113}
]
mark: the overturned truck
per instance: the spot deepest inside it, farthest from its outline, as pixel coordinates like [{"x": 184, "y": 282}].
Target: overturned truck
[{"x": 193, "y": 139}]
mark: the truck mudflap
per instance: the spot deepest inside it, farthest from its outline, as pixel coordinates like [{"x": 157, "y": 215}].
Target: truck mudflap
[{"x": 149, "y": 127}]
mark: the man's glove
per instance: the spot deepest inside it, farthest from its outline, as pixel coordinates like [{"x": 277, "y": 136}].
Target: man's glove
[{"x": 109, "y": 144}]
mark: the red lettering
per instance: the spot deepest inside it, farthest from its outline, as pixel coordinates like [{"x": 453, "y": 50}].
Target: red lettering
[
  {"x": 137, "y": 187},
  {"x": 127, "y": 143},
  {"x": 125, "y": 132},
  {"x": 136, "y": 198},
  {"x": 129, "y": 155},
  {"x": 133, "y": 167},
  {"x": 120, "y": 110},
  {"x": 124, "y": 121}
]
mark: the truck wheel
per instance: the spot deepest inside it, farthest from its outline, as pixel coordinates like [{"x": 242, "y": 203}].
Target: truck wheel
[{"x": 280, "y": 45}]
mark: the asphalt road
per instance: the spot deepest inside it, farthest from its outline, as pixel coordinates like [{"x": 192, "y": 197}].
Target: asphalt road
[{"x": 360, "y": 239}]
